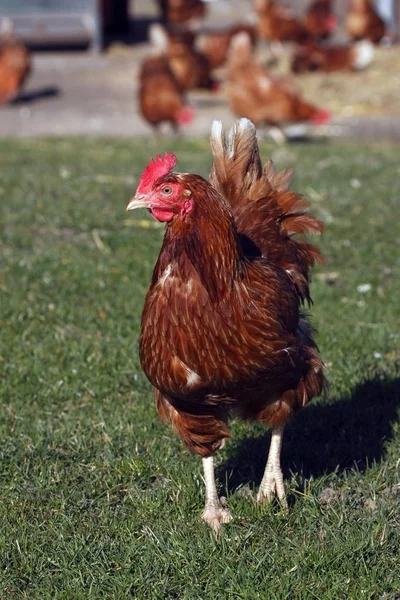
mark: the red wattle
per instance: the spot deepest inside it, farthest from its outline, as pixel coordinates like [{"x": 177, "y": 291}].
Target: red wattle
[
  {"x": 185, "y": 116},
  {"x": 321, "y": 117},
  {"x": 331, "y": 23}
]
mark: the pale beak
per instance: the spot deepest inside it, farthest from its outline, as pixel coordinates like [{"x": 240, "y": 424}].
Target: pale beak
[{"x": 140, "y": 201}]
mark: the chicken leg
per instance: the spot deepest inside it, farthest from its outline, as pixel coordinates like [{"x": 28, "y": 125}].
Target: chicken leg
[
  {"x": 272, "y": 481},
  {"x": 214, "y": 513}
]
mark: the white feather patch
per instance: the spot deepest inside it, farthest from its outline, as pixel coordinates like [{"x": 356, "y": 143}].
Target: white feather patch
[
  {"x": 245, "y": 123},
  {"x": 363, "y": 54},
  {"x": 164, "y": 276},
  {"x": 192, "y": 377}
]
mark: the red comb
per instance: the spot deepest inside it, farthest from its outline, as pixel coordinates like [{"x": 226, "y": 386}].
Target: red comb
[
  {"x": 331, "y": 23},
  {"x": 321, "y": 117},
  {"x": 155, "y": 170}
]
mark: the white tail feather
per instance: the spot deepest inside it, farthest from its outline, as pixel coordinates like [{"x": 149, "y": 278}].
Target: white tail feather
[
  {"x": 217, "y": 133},
  {"x": 241, "y": 128},
  {"x": 236, "y": 172}
]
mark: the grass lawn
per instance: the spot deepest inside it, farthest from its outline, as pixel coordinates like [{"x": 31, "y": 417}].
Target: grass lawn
[{"x": 98, "y": 499}]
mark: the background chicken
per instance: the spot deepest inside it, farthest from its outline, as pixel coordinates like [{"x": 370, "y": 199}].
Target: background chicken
[
  {"x": 215, "y": 44},
  {"x": 314, "y": 57},
  {"x": 320, "y": 22},
  {"x": 15, "y": 63},
  {"x": 222, "y": 333},
  {"x": 190, "y": 67},
  {"x": 277, "y": 23},
  {"x": 182, "y": 11},
  {"x": 161, "y": 98},
  {"x": 363, "y": 22},
  {"x": 255, "y": 94}
]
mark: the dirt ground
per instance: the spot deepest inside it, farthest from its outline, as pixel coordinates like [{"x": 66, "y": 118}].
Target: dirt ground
[{"x": 81, "y": 93}]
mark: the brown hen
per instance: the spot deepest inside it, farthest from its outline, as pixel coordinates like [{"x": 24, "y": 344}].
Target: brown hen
[
  {"x": 190, "y": 67},
  {"x": 15, "y": 66},
  {"x": 262, "y": 98},
  {"x": 319, "y": 20},
  {"x": 278, "y": 23},
  {"x": 222, "y": 330},
  {"x": 215, "y": 44},
  {"x": 161, "y": 98},
  {"x": 177, "y": 12},
  {"x": 314, "y": 57},
  {"x": 363, "y": 22}
]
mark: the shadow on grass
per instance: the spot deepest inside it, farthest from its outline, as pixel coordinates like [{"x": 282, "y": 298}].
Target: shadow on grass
[{"x": 323, "y": 438}]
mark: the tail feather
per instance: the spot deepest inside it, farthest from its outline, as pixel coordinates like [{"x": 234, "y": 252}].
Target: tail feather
[
  {"x": 279, "y": 180},
  {"x": 265, "y": 210},
  {"x": 236, "y": 171}
]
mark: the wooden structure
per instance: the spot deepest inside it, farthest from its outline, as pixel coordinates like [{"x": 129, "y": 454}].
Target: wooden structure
[{"x": 41, "y": 23}]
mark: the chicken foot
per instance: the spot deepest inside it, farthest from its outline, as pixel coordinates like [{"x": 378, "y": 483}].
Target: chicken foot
[
  {"x": 214, "y": 513},
  {"x": 272, "y": 481}
]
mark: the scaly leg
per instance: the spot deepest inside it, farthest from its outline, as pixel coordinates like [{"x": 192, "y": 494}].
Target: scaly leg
[
  {"x": 214, "y": 512},
  {"x": 272, "y": 481}
]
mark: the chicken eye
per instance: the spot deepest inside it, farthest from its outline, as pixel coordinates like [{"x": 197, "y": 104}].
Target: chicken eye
[{"x": 167, "y": 190}]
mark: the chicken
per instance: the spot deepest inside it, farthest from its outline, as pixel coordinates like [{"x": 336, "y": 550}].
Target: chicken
[
  {"x": 161, "y": 98},
  {"x": 255, "y": 94},
  {"x": 277, "y": 23},
  {"x": 319, "y": 20},
  {"x": 314, "y": 57},
  {"x": 222, "y": 333},
  {"x": 182, "y": 11},
  {"x": 215, "y": 44},
  {"x": 190, "y": 67},
  {"x": 15, "y": 64},
  {"x": 363, "y": 22}
]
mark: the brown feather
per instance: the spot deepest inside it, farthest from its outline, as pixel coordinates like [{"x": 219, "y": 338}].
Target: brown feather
[
  {"x": 277, "y": 22},
  {"x": 264, "y": 209},
  {"x": 363, "y": 22},
  {"x": 15, "y": 66}
]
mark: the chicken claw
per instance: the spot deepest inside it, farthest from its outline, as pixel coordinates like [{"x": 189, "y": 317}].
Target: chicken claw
[
  {"x": 272, "y": 481},
  {"x": 215, "y": 514},
  {"x": 215, "y": 510},
  {"x": 272, "y": 484}
]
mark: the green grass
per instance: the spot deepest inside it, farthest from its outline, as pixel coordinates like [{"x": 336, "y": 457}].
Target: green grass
[{"x": 98, "y": 499}]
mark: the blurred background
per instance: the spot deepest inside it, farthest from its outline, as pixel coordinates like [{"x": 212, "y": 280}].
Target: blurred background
[
  {"x": 133, "y": 67},
  {"x": 98, "y": 497}
]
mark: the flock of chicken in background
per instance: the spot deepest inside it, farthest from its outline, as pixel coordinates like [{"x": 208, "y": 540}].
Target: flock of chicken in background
[{"x": 184, "y": 58}]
